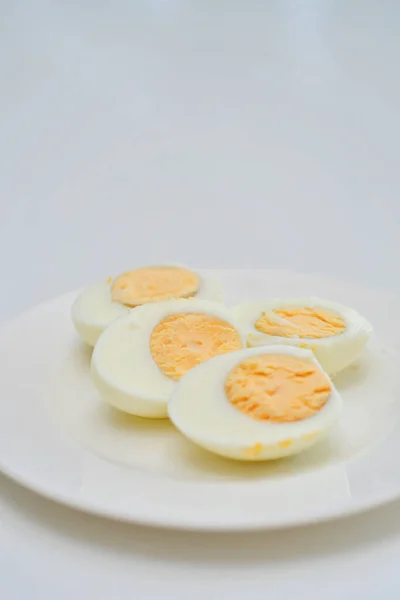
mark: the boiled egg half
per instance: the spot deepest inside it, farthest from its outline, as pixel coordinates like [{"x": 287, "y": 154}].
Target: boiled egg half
[
  {"x": 99, "y": 305},
  {"x": 336, "y": 334},
  {"x": 256, "y": 404},
  {"x": 140, "y": 358}
]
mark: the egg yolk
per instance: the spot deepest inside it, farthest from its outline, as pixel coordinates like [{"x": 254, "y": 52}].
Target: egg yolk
[
  {"x": 153, "y": 284},
  {"x": 300, "y": 321},
  {"x": 181, "y": 341},
  {"x": 277, "y": 388}
]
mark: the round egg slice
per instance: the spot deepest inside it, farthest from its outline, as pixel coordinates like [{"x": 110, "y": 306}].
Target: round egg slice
[
  {"x": 256, "y": 404},
  {"x": 99, "y": 305},
  {"x": 140, "y": 358},
  {"x": 336, "y": 334}
]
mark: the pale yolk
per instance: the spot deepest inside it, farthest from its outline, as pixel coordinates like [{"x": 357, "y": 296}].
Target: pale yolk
[
  {"x": 301, "y": 321},
  {"x": 181, "y": 341},
  {"x": 277, "y": 388},
  {"x": 153, "y": 284}
]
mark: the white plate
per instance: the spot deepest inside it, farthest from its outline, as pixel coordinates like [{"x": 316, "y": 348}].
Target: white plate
[{"x": 58, "y": 439}]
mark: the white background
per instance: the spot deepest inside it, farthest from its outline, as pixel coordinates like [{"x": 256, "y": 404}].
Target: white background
[{"x": 220, "y": 133}]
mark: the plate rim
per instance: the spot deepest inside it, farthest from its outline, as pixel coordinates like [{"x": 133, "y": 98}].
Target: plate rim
[{"x": 203, "y": 526}]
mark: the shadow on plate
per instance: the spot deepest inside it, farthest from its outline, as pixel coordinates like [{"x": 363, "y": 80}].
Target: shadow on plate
[
  {"x": 181, "y": 459},
  {"x": 81, "y": 355}
]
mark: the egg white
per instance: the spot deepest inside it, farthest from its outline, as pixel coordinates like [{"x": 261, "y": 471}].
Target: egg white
[
  {"x": 335, "y": 353},
  {"x": 122, "y": 365},
  {"x": 200, "y": 409},
  {"x": 94, "y": 309}
]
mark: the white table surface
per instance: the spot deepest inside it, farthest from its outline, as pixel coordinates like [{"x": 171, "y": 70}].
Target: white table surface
[{"x": 220, "y": 133}]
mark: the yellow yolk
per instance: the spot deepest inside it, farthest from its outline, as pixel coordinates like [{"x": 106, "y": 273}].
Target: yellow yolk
[
  {"x": 153, "y": 284},
  {"x": 301, "y": 321},
  {"x": 181, "y": 341},
  {"x": 277, "y": 388},
  {"x": 253, "y": 451}
]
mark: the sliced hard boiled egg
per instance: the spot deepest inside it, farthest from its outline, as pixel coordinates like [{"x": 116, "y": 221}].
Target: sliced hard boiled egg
[
  {"x": 139, "y": 358},
  {"x": 256, "y": 404},
  {"x": 101, "y": 304},
  {"x": 336, "y": 334}
]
